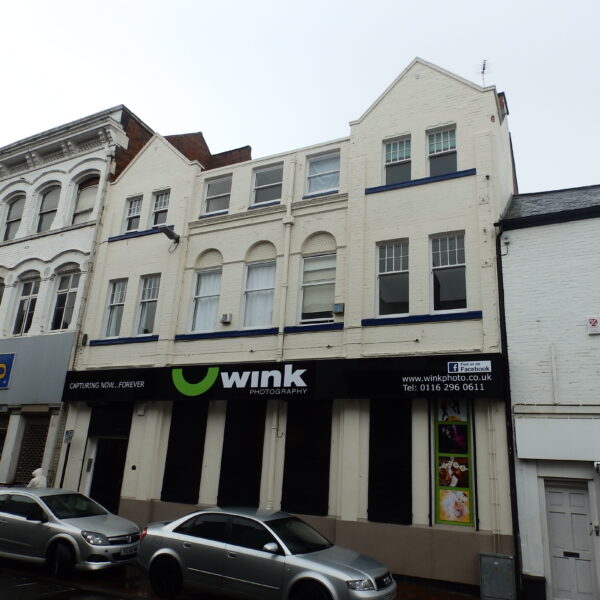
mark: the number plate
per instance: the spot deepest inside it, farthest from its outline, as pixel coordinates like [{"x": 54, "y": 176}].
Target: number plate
[{"x": 131, "y": 550}]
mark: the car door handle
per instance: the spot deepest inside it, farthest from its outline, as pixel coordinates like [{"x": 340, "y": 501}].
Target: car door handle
[
  {"x": 232, "y": 554},
  {"x": 187, "y": 545}
]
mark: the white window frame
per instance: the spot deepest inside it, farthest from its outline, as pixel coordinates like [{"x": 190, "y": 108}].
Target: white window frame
[
  {"x": 444, "y": 146},
  {"x": 11, "y": 219},
  {"x": 397, "y": 267},
  {"x": 160, "y": 207},
  {"x": 200, "y": 297},
  {"x": 305, "y": 285},
  {"x": 130, "y": 214},
  {"x": 30, "y": 303},
  {"x": 70, "y": 298},
  {"x": 312, "y": 160},
  {"x": 250, "y": 293},
  {"x": 148, "y": 301},
  {"x": 451, "y": 260},
  {"x": 255, "y": 186},
  {"x": 401, "y": 155},
  {"x": 44, "y": 212},
  {"x": 92, "y": 181},
  {"x": 117, "y": 294},
  {"x": 208, "y": 197}
]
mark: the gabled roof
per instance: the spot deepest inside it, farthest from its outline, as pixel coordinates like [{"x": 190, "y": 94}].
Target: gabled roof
[{"x": 425, "y": 63}]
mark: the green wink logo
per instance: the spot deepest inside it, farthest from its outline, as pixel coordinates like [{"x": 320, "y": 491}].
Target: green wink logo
[{"x": 194, "y": 389}]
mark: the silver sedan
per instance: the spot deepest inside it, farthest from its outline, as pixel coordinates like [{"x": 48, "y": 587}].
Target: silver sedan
[{"x": 263, "y": 555}]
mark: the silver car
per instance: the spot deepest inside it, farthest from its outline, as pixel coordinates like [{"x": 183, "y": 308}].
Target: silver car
[
  {"x": 64, "y": 529},
  {"x": 248, "y": 553}
]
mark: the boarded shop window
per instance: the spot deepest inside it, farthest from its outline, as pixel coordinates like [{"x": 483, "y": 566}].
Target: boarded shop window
[
  {"x": 390, "y": 462},
  {"x": 183, "y": 466},
  {"x": 307, "y": 458},
  {"x": 453, "y": 463},
  {"x": 241, "y": 462},
  {"x": 3, "y": 429},
  {"x": 32, "y": 447}
]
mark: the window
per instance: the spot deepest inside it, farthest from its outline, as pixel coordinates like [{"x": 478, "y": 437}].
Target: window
[
  {"x": 118, "y": 289},
  {"x": 260, "y": 286},
  {"x": 1, "y": 289},
  {"x": 393, "y": 277},
  {"x": 65, "y": 301},
  {"x": 134, "y": 208},
  {"x": 397, "y": 161},
  {"x": 442, "y": 152},
  {"x": 218, "y": 192},
  {"x": 267, "y": 184},
  {"x": 149, "y": 297},
  {"x": 13, "y": 218},
  {"x": 86, "y": 198},
  {"x": 208, "y": 527},
  {"x": 249, "y": 534},
  {"x": 29, "y": 293},
  {"x": 448, "y": 271},
  {"x": 206, "y": 300},
  {"x": 48, "y": 207},
  {"x": 318, "y": 288},
  {"x": 161, "y": 206},
  {"x": 323, "y": 174}
]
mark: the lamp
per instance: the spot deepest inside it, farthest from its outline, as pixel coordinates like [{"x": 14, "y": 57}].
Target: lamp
[{"x": 169, "y": 233}]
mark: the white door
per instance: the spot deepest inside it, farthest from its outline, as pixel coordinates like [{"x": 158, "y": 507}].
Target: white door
[{"x": 570, "y": 532}]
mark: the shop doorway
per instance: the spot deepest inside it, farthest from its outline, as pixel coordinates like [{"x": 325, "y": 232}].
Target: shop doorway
[
  {"x": 107, "y": 474},
  {"x": 571, "y": 536},
  {"x": 32, "y": 447}
]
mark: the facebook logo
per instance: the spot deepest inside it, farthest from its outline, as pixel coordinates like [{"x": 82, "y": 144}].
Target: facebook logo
[{"x": 453, "y": 367}]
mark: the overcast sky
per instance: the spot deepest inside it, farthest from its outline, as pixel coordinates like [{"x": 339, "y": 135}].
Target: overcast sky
[{"x": 278, "y": 75}]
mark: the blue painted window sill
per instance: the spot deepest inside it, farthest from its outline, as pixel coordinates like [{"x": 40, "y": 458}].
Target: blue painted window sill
[
  {"x": 423, "y": 181},
  {"x": 314, "y": 327},
  {"x": 458, "y": 316},
  {"x": 129, "y": 340},
  {"x": 319, "y": 194},
  {"x": 184, "y": 337},
  {"x": 263, "y": 204},
  {"x": 135, "y": 234}
]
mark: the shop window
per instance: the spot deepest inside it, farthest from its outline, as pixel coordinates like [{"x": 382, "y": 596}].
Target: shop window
[
  {"x": 148, "y": 301},
  {"x": 448, "y": 271},
  {"x": 86, "y": 199},
  {"x": 397, "y": 161},
  {"x": 453, "y": 470},
  {"x": 393, "y": 277},
  {"x": 116, "y": 303},
  {"x": 13, "y": 218},
  {"x": 260, "y": 288},
  {"x": 48, "y": 208}
]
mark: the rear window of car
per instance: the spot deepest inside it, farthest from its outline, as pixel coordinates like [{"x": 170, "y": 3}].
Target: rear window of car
[
  {"x": 72, "y": 506},
  {"x": 206, "y": 526}
]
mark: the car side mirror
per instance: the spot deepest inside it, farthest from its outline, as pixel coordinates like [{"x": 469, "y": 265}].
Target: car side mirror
[{"x": 271, "y": 547}]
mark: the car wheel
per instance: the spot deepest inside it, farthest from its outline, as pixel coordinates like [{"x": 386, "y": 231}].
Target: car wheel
[
  {"x": 310, "y": 590},
  {"x": 165, "y": 577},
  {"x": 60, "y": 560}
]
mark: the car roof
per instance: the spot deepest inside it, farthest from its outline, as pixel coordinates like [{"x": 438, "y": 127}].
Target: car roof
[
  {"x": 260, "y": 514},
  {"x": 38, "y": 492}
]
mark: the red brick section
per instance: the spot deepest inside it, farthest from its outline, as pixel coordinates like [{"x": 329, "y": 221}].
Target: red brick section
[
  {"x": 231, "y": 157},
  {"x": 138, "y": 135},
  {"x": 194, "y": 147}
]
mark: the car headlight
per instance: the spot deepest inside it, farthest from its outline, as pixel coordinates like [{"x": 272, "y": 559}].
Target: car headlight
[
  {"x": 95, "y": 539},
  {"x": 360, "y": 585}
]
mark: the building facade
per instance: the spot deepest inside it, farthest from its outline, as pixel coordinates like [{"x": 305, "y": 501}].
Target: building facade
[
  {"x": 547, "y": 249},
  {"x": 52, "y": 187},
  {"x": 316, "y": 331}
]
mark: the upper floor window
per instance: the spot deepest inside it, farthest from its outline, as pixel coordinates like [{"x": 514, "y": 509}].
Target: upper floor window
[
  {"x": 160, "y": 208},
  {"x": 29, "y": 292},
  {"x": 218, "y": 192},
  {"x": 132, "y": 217},
  {"x": 48, "y": 207},
  {"x": 65, "y": 301},
  {"x": 318, "y": 288},
  {"x": 448, "y": 271},
  {"x": 148, "y": 300},
  {"x": 206, "y": 299},
  {"x": 86, "y": 198},
  {"x": 116, "y": 303},
  {"x": 393, "y": 277},
  {"x": 397, "y": 161},
  {"x": 260, "y": 287},
  {"x": 13, "y": 218},
  {"x": 267, "y": 184},
  {"x": 323, "y": 174},
  {"x": 442, "y": 151}
]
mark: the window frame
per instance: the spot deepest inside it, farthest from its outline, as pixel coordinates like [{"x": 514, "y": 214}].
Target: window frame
[
  {"x": 85, "y": 183},
  {"x": 197, "y": 297},
  {"x": 145, "y": 303},
  {"x": 310, "y": 160},
  {"x": 129, "y": 216},
  {"x": 8, "y": 221},
  {"x": 43, "y": 213},
  {"x": 115, "y": 306},
  {"x": 304, "y": 285},
  {"x": 71, "y": 292},
  {"x": 404, "y": 256},
  {"x": 255, "y": 187},
  {"x": 450, "y": 150},
  {"x": 208, "y": 197},
  {"x": 393, "y": 163},
  {"x": 29, "y": 306},
  {"x": 160, "y": 209},
  {"x": 248, "y": 293},
  {"x": 447, "y": 267}
]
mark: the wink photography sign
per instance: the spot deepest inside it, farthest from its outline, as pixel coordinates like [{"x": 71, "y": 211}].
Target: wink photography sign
[{"x": 475, "y": 376}]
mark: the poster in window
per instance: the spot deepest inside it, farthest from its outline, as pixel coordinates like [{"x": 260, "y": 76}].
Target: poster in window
[
  {"x": 453, "y": 471},
  {"x": 454, "y": 506},
  {"x": 452, "y": 411},
  {"x": 453, "y": 439}
]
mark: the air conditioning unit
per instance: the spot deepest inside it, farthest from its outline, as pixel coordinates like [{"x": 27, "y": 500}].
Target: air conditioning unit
[{"x": 225, "y": 318}]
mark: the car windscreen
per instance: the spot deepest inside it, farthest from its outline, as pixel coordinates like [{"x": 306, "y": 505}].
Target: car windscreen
[
  {"x": 72, "y": 506},
  {"x": 298, "y": 536}
]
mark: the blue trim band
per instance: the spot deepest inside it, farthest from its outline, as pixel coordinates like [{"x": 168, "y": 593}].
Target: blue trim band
[
  {"x": 129, "y": 340},
  {"x": 262, "y": 204},
  {"x": 315, "y": 327},
  {"x": 184, "y": 337},
  {"x": 458, "y": 316},
  {"x": 213, "y": 214},
  {"x": 413, "y": 182},
  {"x": 134, "y": 234},
  {"x": 320, "y": 194}
]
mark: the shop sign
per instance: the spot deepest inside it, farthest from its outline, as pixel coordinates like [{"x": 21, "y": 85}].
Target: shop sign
[
  {"x": 6, "y": 365},
  {"x": 476, "y": 376}
]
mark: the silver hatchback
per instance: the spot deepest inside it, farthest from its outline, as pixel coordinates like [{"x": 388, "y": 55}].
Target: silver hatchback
[
  {"x": 263, "y": 555},
  {"x": 64, "y": 529}
]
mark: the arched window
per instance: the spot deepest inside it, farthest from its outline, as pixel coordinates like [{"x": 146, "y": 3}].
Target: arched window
[
  {"x": 207, "y": 291},
  {"x": 30, "y": 287},
  {"x": 13, "y": 217},
  {"x": 66, "y": 294},
  {"x": 87, "y": 191},
  {"x": 260, "y": 285},
  {"x": 48, "y": 207}
]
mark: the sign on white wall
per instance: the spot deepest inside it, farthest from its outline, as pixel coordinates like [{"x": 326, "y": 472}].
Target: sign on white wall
[{"x": 593, "y": 325}]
